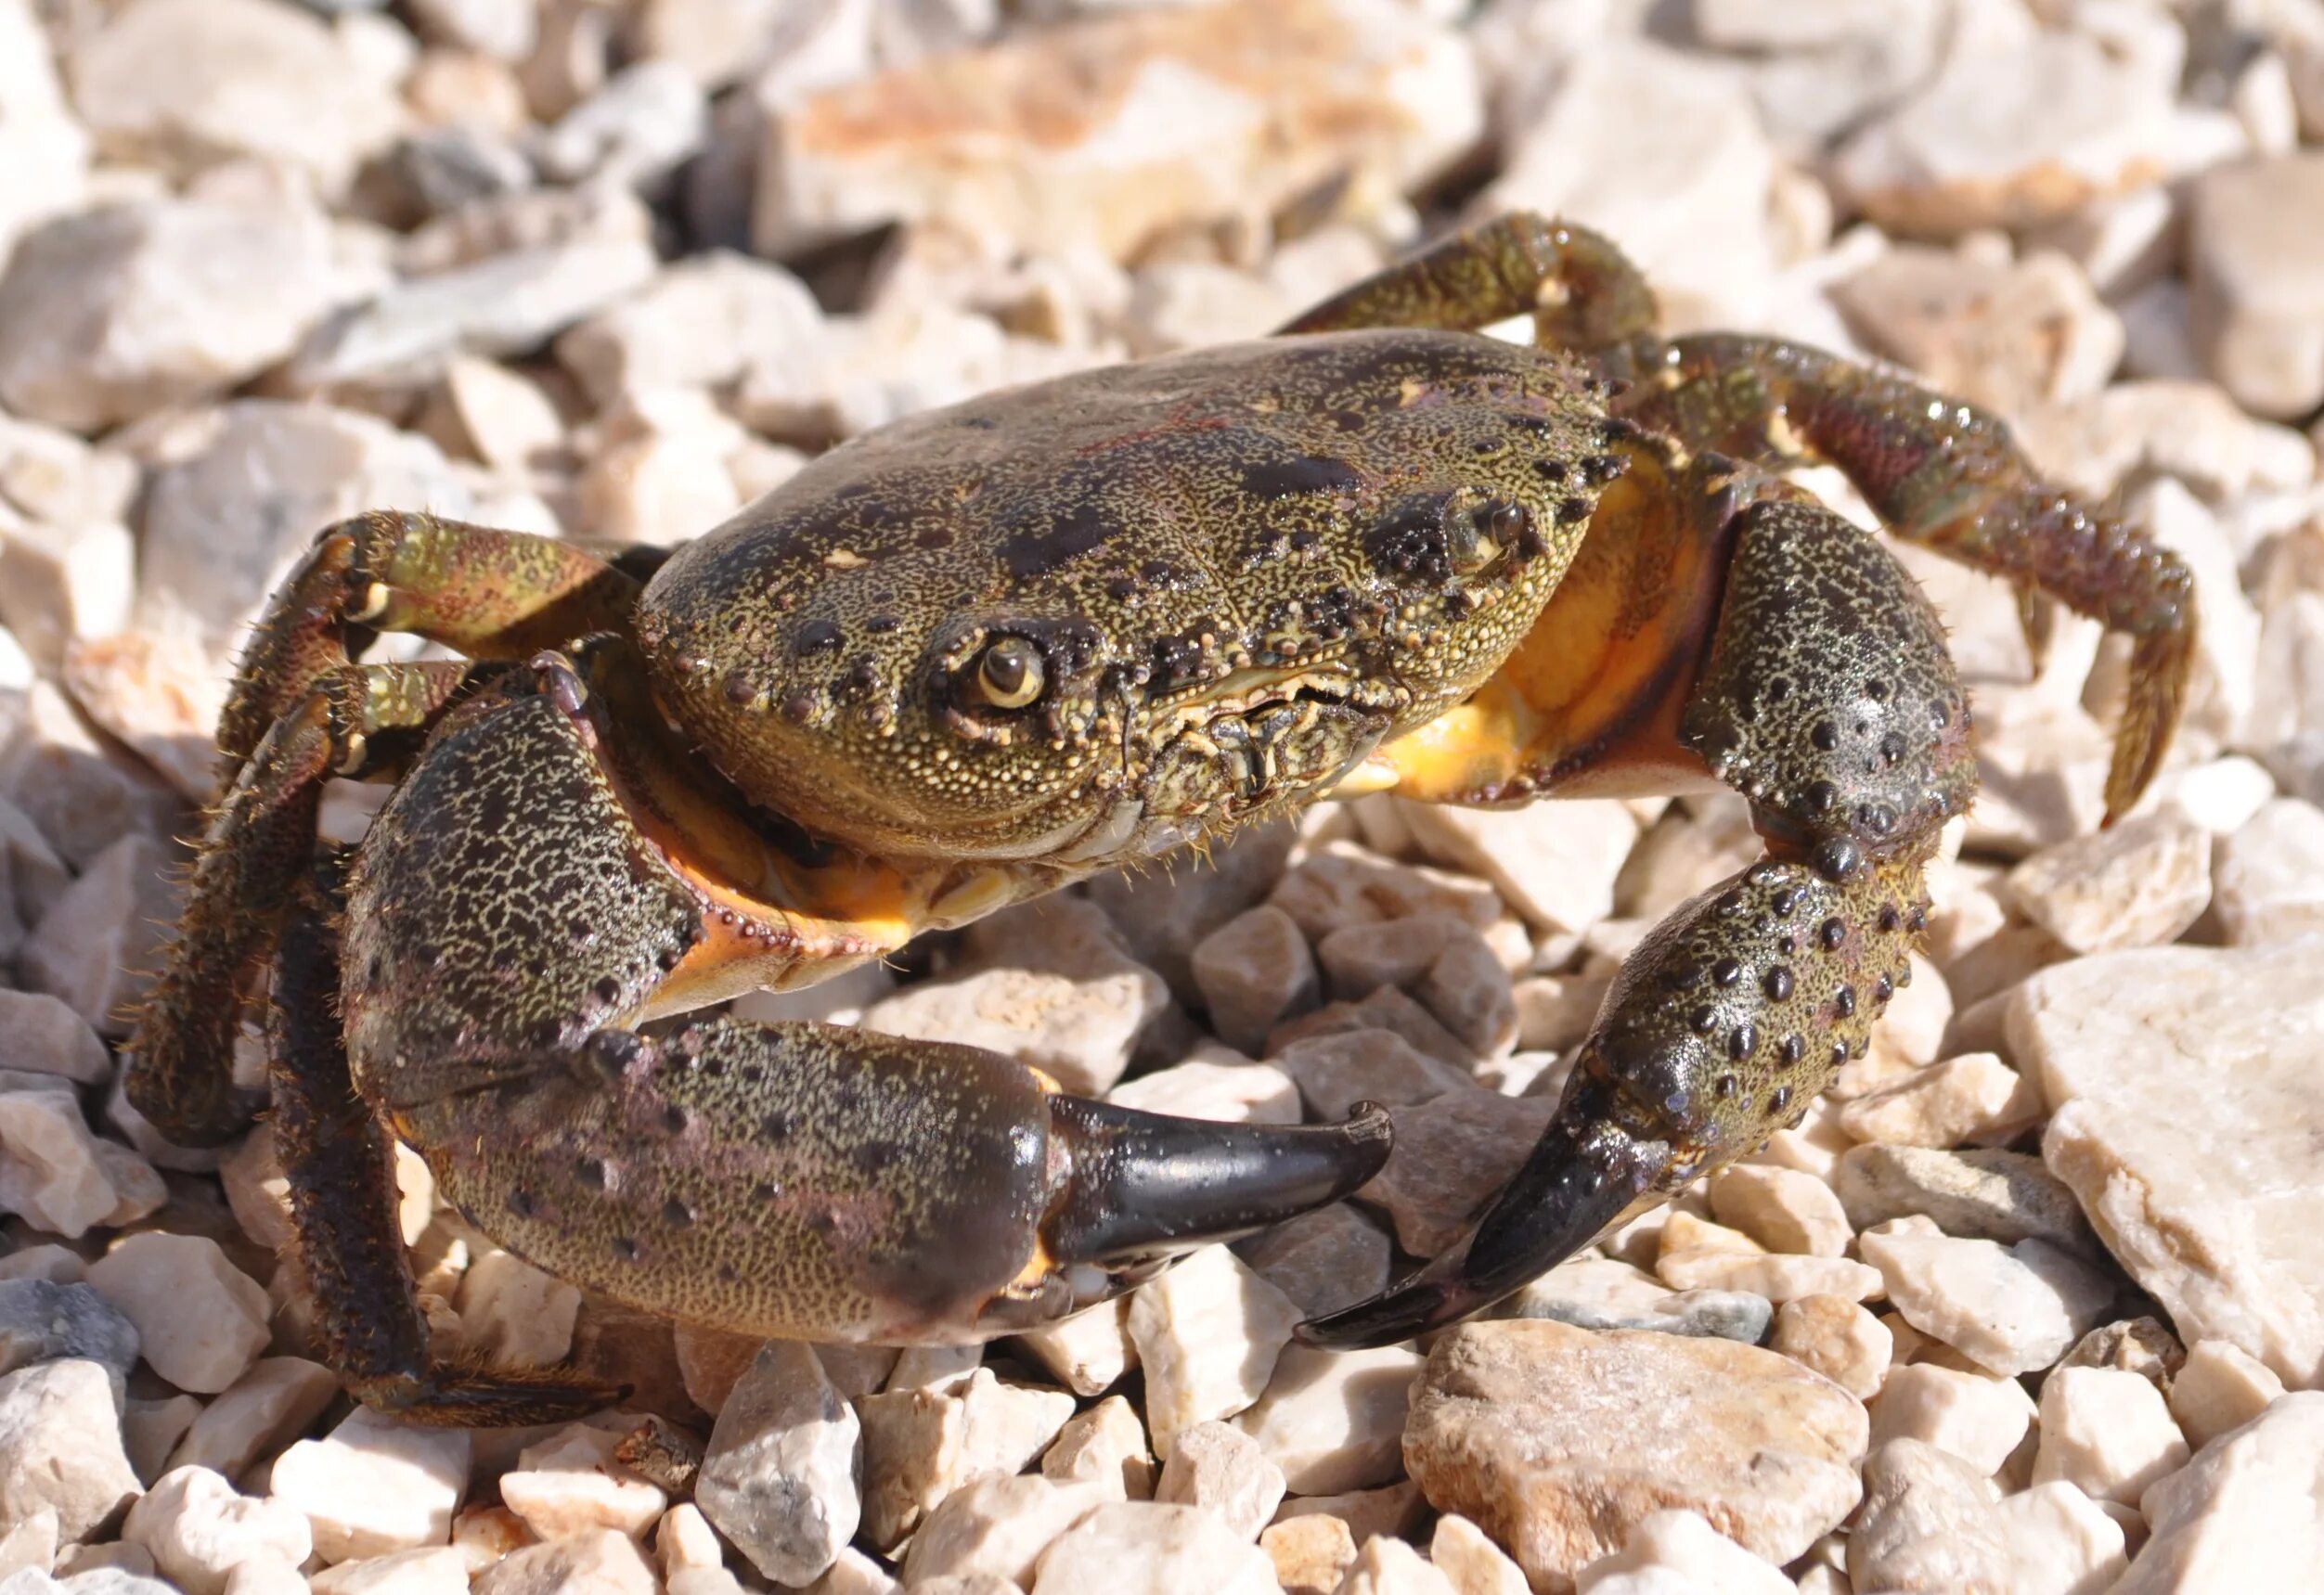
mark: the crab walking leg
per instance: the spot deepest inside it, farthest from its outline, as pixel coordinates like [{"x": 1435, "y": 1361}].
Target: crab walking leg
[
  {"x": 511, "y": 924},
  {"x": 355, "y": 720},
  {"x": 341, "y": 1169},
  {"x": 1946, "y": 474},
  {"x": 1582, "y": 293},
  {"x": 1828, "y": 700},
  {"x": 488, "y": 594}
]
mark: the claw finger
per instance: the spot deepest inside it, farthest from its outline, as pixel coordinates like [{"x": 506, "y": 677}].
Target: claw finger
[
  {"x": 1584, "y": 1176},
  {"x": 1145, "y": 1184}
]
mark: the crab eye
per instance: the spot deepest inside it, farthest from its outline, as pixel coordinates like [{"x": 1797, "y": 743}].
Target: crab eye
[
  {"x": 1009, "y": 674},
  {"x": 1476, "y": 540}
]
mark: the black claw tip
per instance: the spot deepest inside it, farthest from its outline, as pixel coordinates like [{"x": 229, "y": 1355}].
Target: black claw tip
[{"x": 1147, "y": 1185}]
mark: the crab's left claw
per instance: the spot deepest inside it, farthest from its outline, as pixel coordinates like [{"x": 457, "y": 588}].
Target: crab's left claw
[{"x": 1584, "y": 1175}]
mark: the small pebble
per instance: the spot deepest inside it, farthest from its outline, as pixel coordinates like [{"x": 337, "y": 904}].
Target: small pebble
[
  {"x": 1223, "y": 1470},
  {"x": 201, "y": 1321},
  {"x": 1209, "y": 1332},
  {"x": 780, "y": 1477},
  {"x": 2106, "y": 1432},
  {"x": 199, "y": 1530}
]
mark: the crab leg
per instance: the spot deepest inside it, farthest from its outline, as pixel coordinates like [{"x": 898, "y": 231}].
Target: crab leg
[
  {"x": 341, "y": 1169},
  {"x": 1944, "y": 473},
  {"x": 353, "y": 721},
  {"x": 300, "y": 713},
  {"x": 1827, "y": 698}
]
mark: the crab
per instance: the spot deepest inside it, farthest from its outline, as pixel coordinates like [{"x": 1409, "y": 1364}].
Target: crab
[{"x": 986, "y": 650}]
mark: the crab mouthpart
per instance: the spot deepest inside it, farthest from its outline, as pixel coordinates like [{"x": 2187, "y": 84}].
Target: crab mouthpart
[{"x": 1258, "y": 738}]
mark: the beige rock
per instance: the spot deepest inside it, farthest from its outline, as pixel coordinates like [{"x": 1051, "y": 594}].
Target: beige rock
[
  {"x": 1209, "y": 1332},
  {"x": 52, "y": 1173},
  {"x": 373, "y": 1485},
  {"x": 1200, "y": 1089},
  {"x": 1086, "y": 136},
  {"x": 1782, "y": 1210},
  {"x": 2012, "y": 1309},
  {"x": 1557, "y": 1441},
  {"x": 99, "y": 946},
  {"x": 1179, "y": 304},
  {"x": 1311, "y": 1553},
  {"x": 2138, "y": 884},
  {"x": 2269, "y": 875},
  {"x": 1449, "y": 1152},
  {"x": 2156, "y": 1059},
  {"x": 433, "y": 1570},
  {"x": 60, "y": 1450},
  {"x": 1333, "y": 1421},
  {"x": 2019, "y": 127},
  {"x": 277, "y": 1400},
  {"x": 2004, "y": 334},
  {"x": 1555, "y": 1011},
  {"x": 1975, "y": 1095},
  {"x": 998, "y": 1525},
  {"x": 63, "y": 583},
  {"x": 1090, "y": 1351},
  {"x": 1554, "y": 864},
  {"x": 2243, "y": 1514},
  {"x": 2220, "y": 1387},
  {"x": 1681, "y": 1548},
  {"x": 1223, "y": 1470},
  {"x": 1776, "y": 1278},
  {"x": 1386, "y": 1566},
  {"x": 516, "y": 1314},
  {"x": 698, "y": 324},
  {"x": 1395, "y": 1509},
  {"x": 2060, "y": 1543},
  {"x": 910, "y": 1458},
  {"x": 1143, "y": 1547},
  {"x": 1107, "y": 1446},
  {"x": 2107, "y": 1432},
  {"x": 571, "y": 1483},
  {"x": 1927, "y": 1524},
  {"x": 1978, "y": 1417},
  {"x": 1607, "y": 1294},
  {"x": 684, "y": 1539},
  {"x": 605, "y": 1562},
  {"x": 187, "y": 84},
  {"x": 199, "y": 1529},
  {"x": 1468, "y": 1556},
  {"x": 1075, "y": 1008},
  {"x": 1695, "y": 141},
  {"x": 1838, "y": 1338},
  {"x": 2258, "y": 314},
  {"x": 201, "y": 1321}
]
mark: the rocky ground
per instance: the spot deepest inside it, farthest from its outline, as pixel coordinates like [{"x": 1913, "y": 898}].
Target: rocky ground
[{"x": 2029, "y": 1304}]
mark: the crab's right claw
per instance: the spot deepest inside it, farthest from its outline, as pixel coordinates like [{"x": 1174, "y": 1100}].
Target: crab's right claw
[{"x": 1583, "y": 1176}]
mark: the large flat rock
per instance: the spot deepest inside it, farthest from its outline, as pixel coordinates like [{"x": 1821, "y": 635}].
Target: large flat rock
[
  {"x": 2187, "y": 1089},
  {"x": 1559, "y": 1441}
]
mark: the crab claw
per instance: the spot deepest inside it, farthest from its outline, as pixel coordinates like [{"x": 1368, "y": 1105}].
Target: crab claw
[
  {"x": 1584, "y": 1175},
  {"x": 1137, "y": 1190}
]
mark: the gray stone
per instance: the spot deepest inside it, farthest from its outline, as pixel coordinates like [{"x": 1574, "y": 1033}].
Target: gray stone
[
  {"x": 1976, "y": 1193},
  {"x": 780, "y": 1476},
  {"x": 1449, "y": 1152},
  {"x": 41, "y": 1320},
  {"x": 1323, "y": 1260},
  {"x": 1599, "y": 1293}
]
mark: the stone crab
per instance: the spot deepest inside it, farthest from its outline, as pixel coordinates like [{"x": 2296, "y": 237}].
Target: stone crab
[{"x": 990, "y": 650}]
